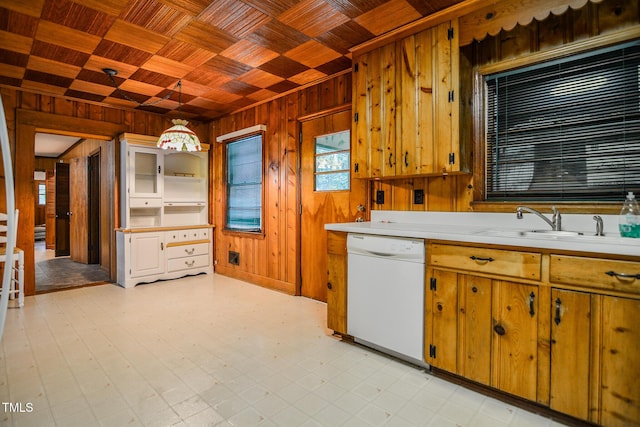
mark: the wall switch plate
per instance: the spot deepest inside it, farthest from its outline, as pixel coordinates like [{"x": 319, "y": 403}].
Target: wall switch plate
[
  {"x": 380, "y": 197},
  {"x": 418, "y": 197}
]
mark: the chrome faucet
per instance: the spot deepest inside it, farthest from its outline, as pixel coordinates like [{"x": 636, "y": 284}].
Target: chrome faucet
[{"x": 555, "y": 222}]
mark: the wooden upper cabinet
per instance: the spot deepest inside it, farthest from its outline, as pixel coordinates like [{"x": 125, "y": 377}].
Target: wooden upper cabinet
[{"x": 406, "y": 106}]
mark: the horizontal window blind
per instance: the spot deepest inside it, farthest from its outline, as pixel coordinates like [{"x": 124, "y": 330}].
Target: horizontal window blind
[
  {"x": 244, "y": 184},
  {"x": 566, "y": 130}
]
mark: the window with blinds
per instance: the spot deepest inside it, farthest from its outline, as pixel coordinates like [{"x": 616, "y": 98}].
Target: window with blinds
[
  {"x": 566, "y": 130},
  {"x": 244, "y": 184}
]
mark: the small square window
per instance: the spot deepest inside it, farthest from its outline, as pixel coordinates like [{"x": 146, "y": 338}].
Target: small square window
[{"x": 332, "y": 162}]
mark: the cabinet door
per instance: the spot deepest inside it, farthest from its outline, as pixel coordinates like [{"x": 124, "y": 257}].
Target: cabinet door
[
  {"x": 620, "y": 370},
  {"x": 514, "y": 343},
  {"x": 147, "y": 254},
  {"x": 441, "y": 320},
  {"x": 375, "y": 108},
  {"x": 446, "y": 66},
  {"x": 145, "y": 172},
  {"x": 337, "y": 281},
  {"x": 474, "y": 333},
  {"x": 414, "y": 115},
  {"x": 336, "y": 293},
  {"x": 570, "y": 352}
]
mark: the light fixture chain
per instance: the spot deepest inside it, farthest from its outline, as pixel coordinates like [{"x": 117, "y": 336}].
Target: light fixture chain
[{"x": 146, "y": 104}]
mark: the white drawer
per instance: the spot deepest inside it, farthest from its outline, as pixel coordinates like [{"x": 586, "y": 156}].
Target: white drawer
[
  {"x": 204, "y": 233},
  {"x": 135, "y": 202},
  {"x": 187, "y": 263},
  {"x": 187, "y": 250},
  {"x": 182, "y": 235}
]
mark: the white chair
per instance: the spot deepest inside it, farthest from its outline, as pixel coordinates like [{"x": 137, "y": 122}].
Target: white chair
[{"x": 17, "y": 275}]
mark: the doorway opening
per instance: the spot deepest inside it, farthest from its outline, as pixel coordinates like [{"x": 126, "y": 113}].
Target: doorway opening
[{"x": 67, "y": 250}]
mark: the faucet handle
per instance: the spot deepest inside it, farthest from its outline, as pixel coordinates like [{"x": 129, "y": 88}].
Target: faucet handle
[{"x": 599, "y": 225}]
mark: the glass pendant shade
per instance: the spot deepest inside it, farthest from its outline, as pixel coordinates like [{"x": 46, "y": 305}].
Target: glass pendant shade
[{"x": 179, "y": 137}]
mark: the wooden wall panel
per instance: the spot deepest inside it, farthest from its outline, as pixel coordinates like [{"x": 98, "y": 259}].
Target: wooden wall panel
[
  {"x": 458, "y": 193},
  {"x": 272, "y": 260}
]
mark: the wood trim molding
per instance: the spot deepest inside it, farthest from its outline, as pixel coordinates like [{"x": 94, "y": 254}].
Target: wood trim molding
[
  {"x": 477, "y": 19},
  {"x": 505, "y": 15}
]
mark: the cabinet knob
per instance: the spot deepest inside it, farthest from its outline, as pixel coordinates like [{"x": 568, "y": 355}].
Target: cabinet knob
[
  {"x": 499, "y": 329},
  {"x": 329, "y": 285},
  {"x": 474, "y": 290},
  {"x": 439, "y": 307}
]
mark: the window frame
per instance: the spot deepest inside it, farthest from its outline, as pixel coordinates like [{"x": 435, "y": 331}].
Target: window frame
[
  {"x": 478, "y": 131},
  {"x": 315, "y": 165},
  {"x": 235, "y": 137}
]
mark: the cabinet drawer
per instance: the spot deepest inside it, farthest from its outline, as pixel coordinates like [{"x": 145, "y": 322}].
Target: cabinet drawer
[
  {"x": 204, "y": 234},
  {"x": 175, "y": 236},
  {"x": 524, "y": 265},
  {"x": 595, "y": 272},
  {"x": 187, "y": 250},
  {"x": 143, "y": 202},
  {"x": 187, "y": 263}
]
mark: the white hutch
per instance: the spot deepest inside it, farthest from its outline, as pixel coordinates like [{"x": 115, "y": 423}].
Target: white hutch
[{"x": 164, "y": 212}]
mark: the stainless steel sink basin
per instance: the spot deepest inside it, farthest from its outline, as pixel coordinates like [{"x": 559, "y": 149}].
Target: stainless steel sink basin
[{"x": 557, "y": 235}]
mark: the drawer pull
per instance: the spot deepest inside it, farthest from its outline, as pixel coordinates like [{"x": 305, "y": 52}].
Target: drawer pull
[
  {"x": 558, "y": 305},
  {"x": 499, "y": 329},
  {"x": 532, "y": 296},
  {"x": 191, "y": 251},
  {"x": 390, "y": 160},
  {"x": 622, "y": 275},
  {"x": 481, "y": 259},
  {"x": 190, "y": 263}
]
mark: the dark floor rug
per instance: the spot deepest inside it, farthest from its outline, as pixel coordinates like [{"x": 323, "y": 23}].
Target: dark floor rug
[{"x": 62, "y": 272}]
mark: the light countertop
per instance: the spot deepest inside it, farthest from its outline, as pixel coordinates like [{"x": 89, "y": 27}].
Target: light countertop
[{"x": 497, "y": 228}]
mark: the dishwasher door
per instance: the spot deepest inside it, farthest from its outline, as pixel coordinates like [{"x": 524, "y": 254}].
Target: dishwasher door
[{"x": 385, "y": 294}]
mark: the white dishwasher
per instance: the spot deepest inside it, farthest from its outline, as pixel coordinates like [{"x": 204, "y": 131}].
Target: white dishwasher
[{"x": 385, "y": 294}]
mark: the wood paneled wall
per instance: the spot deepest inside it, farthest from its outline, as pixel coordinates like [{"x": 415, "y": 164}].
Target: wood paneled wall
[
  {"x": 462, "y": 193},
  {"x": 272, "y": 260},
  {"x": 27, "y": 112}
]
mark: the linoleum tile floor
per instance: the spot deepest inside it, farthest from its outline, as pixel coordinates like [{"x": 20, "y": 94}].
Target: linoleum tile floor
[{"x": 212, "y": 351}]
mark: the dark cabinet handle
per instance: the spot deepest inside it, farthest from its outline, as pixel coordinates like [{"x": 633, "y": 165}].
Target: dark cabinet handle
[
  {"x": 622, "y": 275},
  {"x": 390, "y": 158},
  {"x": 474, "y": 290},
  {"x": 439, "y": 306},
  {"x": 557, "y": 318},
  {"x": 329, "y": 285},
  {"x": 499, "y": 329},
  {"x": 477, "y": 258},
  {"x": 406, "y": 158},
  {"x": 532, "y": 296}
]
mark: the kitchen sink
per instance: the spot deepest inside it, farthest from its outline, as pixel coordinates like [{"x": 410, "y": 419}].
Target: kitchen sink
[{"x": 556, "y": 235}]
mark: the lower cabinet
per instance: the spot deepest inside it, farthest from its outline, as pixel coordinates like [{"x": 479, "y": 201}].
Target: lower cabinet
[
  {"x": 337, "y": 281},
  {"x": 559, "y": 330},
  {"x": 483, "y": 329},
  {"x": 147, "y": 256}
]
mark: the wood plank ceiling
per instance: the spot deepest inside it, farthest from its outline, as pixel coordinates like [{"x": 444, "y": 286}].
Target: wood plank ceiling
[{"x": 229, "y": 54}]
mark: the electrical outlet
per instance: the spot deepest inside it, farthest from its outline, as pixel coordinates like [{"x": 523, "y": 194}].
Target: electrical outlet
[
  {"x": 234, "y": 258},
  {"x": 380, "y": 197},
  {"x": 418, "y": 197}
]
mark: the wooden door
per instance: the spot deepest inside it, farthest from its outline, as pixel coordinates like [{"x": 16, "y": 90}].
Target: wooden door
[
  {"x": 78, "y": 221},
  {"x": 50, "y": 211},
  {"x": 93, "y": 231},
  {"x": 474, "y": 352},
  {"x": 322, "y": 207},
  {"x": 515, "y": 338},
  {"x": 570, "y": 352},
  {"x": 62, "y": 210},
  {"x": 441, "y": 320},
  {"x": 620, "y": 384}
]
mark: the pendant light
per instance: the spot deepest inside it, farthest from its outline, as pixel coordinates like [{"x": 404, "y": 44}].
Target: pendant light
[{"x": 179, "y": 136}]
